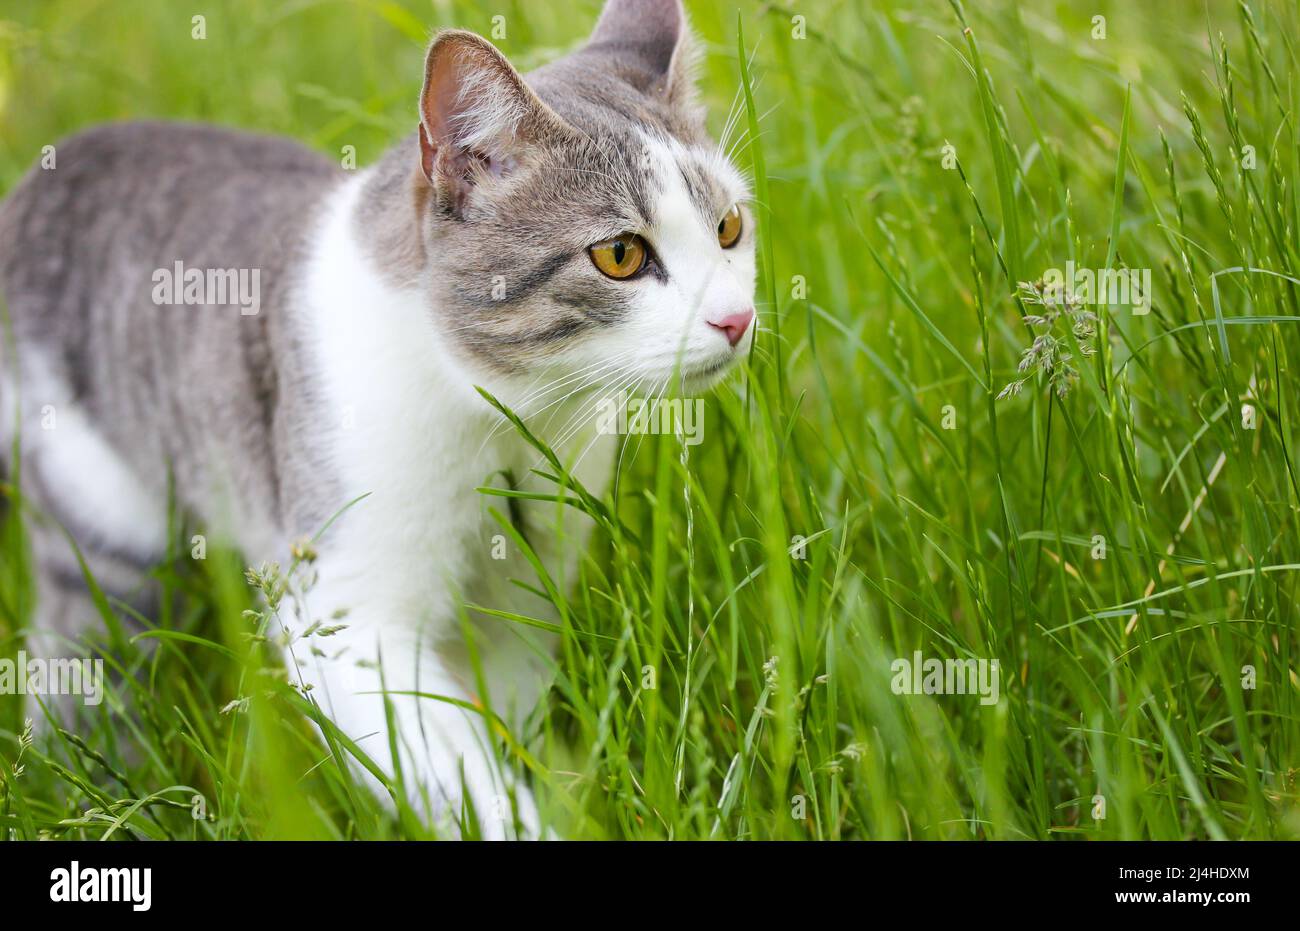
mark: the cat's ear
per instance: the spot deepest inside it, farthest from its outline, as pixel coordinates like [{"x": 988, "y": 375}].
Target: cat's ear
[
  {"x": 652, "y": 34},
  {"x": 476, "y": 114}
]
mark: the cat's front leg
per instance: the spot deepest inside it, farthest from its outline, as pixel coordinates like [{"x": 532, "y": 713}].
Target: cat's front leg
[{"x": 445, "y": 750}]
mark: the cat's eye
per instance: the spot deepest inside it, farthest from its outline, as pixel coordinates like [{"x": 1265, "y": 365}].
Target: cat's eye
[
  {"x": 729, "y": 228},
  {"x": 620, "y": 257}
]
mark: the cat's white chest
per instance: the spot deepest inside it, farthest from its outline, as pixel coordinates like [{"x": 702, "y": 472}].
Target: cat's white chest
[{"x": 405, "y": 429}]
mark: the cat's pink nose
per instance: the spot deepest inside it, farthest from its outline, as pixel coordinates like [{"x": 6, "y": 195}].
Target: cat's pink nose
[{"x": 734, "y": 325}]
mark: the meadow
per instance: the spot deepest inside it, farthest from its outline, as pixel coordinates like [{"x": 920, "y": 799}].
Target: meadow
[{"x": 948, "y": 441}]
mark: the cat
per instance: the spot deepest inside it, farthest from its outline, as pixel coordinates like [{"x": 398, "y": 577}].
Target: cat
[{"x": 541, "y": 236}]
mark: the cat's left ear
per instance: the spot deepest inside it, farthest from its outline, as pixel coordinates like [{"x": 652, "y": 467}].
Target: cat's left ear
[
  {"x": 477, "y": 116},
  {"x": 652, "y": 36}
]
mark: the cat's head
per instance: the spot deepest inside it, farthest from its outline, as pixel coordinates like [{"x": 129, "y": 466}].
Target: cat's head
[{"x": 579, "y": 219}]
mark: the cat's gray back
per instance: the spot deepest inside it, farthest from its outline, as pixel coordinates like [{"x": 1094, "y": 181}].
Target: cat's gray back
[{"x": 79, "y": 245}]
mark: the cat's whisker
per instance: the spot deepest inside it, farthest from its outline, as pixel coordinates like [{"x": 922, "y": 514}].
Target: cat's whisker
[
  {"x": 578, "y": 416},
  {"x": 731, "y": 153},
  {"x": 747, "y": 144},
  {"x": 641, "y": 436},
  {"x": 590, "y": 376},
  {"x": 557, "y": 404},
  {"x": 733, "y": 117},
  {"x": 635, "y": 387},
  {"x": 557, "y": 446},
  {"x": 733, "y": 147},
  {"x": 748, "y": 141},
  {"x": 576, "y": 422},
  {"x": 593, "y": 374},
  {"x": 564, "y": 380},
  {"x": 737, "y": 109}
]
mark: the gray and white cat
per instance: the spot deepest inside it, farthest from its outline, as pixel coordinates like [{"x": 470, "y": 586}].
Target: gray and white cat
[{"x": 541, "y": 236}]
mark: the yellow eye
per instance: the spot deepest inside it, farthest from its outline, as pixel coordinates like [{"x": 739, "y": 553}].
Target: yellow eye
[
  {"x": 620, "y": 257},
  {"x": 729, "y": 228}
]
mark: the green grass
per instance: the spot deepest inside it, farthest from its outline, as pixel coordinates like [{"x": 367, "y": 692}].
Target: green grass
[{"x": 937, "y": 518}]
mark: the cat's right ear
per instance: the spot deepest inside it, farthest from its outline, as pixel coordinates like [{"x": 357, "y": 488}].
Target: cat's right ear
[
  {"x": 476, "y": 115},
  {"x": 652, "y": 36}
]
